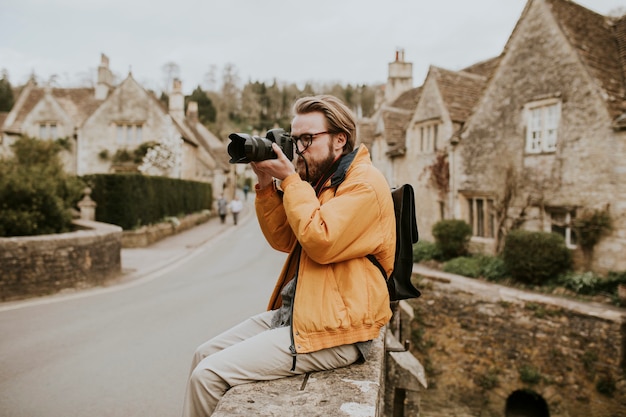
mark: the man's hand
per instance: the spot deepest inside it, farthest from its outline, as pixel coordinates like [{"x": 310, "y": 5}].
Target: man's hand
[{"x": 269, "y": 169}]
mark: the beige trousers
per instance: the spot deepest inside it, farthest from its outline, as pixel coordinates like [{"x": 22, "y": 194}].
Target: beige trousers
[{"x": 248, "y": 352}]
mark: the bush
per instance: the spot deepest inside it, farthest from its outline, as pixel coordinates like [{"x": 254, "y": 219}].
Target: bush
[
  {"x": 452, "y": 238},
  {"x": 425, "y": 251},
  {"x": 36, "y": 195},
  {"x": 535, "y": 257},
  {"x": 489, "y": 267},
  {"x": 493, "y": 268},
  {"x": 134, "y": 200},
  {"x": 464, "y": 265}
]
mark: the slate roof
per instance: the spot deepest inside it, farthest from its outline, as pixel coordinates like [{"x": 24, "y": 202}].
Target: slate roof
[
  {"x": 396, "y": 118},
  {"x": 78, "y": 103},
  {"x": 601, "y": 45},
  {"x": 408, "y": 100},
  {"x": 460, "y": 91},
  {"x": 485, "y": 68}
]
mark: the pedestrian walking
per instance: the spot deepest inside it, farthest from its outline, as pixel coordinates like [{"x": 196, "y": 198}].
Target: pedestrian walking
[
  {"x": 222, "y": 208},
  {"x": 235, "y": 207}
]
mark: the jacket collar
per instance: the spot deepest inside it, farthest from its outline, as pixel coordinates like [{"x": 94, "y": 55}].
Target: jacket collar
[{"x": 340, "y": 173}]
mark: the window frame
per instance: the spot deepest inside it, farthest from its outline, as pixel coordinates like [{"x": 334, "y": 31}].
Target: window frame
[
  {"x": 128, "y": 133},
  {"x": 565, "y": 224},
  {"x": 428, "y": 135},
  {"x": 481, "y": 216},
  {"x": 48, "y": 130},
  {"x": 542, "y": 118}
]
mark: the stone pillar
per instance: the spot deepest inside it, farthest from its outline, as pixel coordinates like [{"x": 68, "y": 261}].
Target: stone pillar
[{"x": 87, "y": 206}]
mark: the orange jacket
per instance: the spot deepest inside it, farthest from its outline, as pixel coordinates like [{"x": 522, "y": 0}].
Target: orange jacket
[{"x": 341, "y": 297}]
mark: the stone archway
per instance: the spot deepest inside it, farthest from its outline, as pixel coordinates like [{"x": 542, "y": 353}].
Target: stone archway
[{"x": 526, "y": 403}]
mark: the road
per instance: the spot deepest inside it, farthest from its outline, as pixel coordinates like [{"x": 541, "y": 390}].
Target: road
[{"x": 125, "y": 351}]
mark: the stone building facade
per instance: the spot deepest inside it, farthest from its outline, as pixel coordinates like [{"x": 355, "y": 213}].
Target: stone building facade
[
  {"x": 534, "y": 137},
  {"x": 99, "y": 123},
  {"x": 549, "y": 127}
]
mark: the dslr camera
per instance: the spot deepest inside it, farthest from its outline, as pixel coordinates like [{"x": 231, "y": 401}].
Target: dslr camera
[{"x": 245, "y": 148}]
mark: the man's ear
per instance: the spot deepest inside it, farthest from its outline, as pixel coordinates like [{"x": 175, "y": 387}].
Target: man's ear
[{"x": 340, "y": 140}]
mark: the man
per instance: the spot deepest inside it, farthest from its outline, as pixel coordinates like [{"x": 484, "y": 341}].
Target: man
[
  {"x": 334, "y": 208},
  {"x": 222, "y": 207},
  {"x": 235, "y": 207}
]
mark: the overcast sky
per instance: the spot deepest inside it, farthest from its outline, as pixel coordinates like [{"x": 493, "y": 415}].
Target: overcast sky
[{"x": 348, "y": 41}]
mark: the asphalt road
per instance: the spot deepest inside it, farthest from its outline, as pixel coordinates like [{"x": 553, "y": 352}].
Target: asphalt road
[{"x": 125, "y": 351}]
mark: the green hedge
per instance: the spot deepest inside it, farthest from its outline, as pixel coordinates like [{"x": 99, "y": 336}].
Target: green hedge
[{"x": 134, "y": 200}]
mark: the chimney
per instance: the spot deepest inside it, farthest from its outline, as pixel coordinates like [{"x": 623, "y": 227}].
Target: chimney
[
  {"x": 105, "y": 78},
  {"x": 192, "y": 111},
  {"x": 400, "y": 78},
  {"x": 177, "y": 100}
]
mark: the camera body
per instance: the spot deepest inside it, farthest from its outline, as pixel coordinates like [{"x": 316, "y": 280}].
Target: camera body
[{"x": 245, "y": 148}]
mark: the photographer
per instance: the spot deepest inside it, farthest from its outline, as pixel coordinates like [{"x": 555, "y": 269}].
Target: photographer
[{"x": 332, "y": 210}]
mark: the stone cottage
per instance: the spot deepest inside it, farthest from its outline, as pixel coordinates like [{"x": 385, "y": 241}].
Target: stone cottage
[
  {"x": 106, "y": 124},
  {"x": 534, "y": 138},
  {"x": 410, "y": 136},
  {"x": 546, "y": 142}
]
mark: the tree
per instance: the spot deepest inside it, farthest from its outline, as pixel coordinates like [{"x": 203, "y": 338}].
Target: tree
[
  {"x": 206, "y": 110},
  {"x": 171, "y": 71},
  {"x": 6, "y": 92}
]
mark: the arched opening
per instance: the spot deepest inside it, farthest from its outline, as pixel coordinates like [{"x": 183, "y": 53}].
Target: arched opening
[{"x": 526, "y": 403}]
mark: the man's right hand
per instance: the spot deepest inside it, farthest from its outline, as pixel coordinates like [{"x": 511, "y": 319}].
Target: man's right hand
[{"x": 269, "y": 169}]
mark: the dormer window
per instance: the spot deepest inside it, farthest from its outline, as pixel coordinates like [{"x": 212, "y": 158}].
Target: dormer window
[
  {"x": 48, "y": 130},
  {"x": 542, "y": 126}
]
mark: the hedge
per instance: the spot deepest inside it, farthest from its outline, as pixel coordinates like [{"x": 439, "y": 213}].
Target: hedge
[{"x": 135, "y": 200}]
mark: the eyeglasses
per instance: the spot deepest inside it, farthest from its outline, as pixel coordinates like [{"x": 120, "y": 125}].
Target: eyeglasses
[{"x": 306, "y": 139}]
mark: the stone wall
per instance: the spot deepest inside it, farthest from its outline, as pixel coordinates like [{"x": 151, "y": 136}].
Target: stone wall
[
  {"x": 40, "y": 265},
  {"x": 147, "y": 235},
  {"x": 488, "y": 349}
]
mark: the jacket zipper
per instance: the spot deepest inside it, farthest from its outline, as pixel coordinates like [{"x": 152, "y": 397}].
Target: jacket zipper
[{"x": 292, "y": 348}]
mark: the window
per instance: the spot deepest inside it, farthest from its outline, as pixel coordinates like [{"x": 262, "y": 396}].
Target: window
[
  {"x": 482, "y": 217},
  {"x": 48, "y": 130},
  {"x": 543, "y": 123},
  {"x": 129, "y": 133},
  {"x": 561, "y": 221},
  {"x": 428, "y": 137}
]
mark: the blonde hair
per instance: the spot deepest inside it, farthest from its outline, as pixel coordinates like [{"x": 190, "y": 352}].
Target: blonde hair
[{"x": 339, "y": 117}]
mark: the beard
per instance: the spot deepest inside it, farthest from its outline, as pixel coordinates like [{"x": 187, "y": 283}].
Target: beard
[{"x": 317, "y": 167}]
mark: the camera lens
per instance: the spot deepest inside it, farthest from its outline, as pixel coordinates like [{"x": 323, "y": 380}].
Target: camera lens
[{"x": 244, "y": 148}]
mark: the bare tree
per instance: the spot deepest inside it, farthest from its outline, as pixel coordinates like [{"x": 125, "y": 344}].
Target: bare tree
[{"x": 171, "y": 71}]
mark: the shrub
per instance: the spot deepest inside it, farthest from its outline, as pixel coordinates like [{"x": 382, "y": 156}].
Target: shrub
[
  {"x": 36, "y": 195},
  {"x": 425, "y": 251},
  {"x": 535, "y": 257},
  {"x": 580, "y": 283},
  {"x": 464, "y": 265},
  {"x": 492, "y": 268},
  {"x": 452, "y": 238}
]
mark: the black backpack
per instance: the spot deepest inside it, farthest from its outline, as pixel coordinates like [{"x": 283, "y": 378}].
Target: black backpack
[{"x": 399, "y": 283}]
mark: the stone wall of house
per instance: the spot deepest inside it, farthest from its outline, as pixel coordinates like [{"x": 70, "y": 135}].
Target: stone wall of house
[
  {"x": 40, "y": 265},
  {"x": 484, "y": 345},
  {"x": 587, "y": 168},
  {"x": 414, "y": 167},
  {"x": 128, "y": 105}
]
